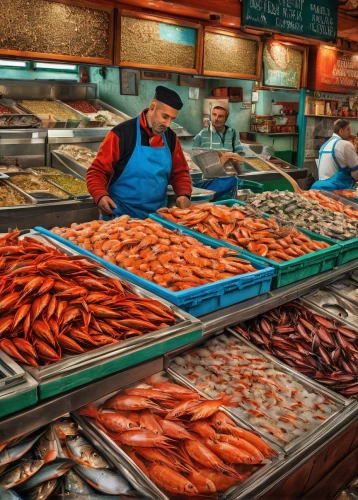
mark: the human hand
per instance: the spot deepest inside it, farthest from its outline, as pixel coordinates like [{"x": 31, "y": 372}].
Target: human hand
[
  {"x": 183, "y": 202},
  {"x": 105, "y": 205}
]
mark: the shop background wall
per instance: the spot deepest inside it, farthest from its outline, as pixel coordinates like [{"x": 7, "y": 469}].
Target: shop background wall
[
  {"x": 264, "y": 105},
  {"x": 190, "y": 117},
  {"x": 30, "y": 74}
]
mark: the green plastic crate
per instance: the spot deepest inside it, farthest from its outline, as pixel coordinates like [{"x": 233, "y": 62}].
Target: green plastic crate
[
  {"x": 349, "y": 251},
  {"x": 256, "y": 187},
  {"x": 19, "y": 397},
  {"x": 285, "y": 272}
]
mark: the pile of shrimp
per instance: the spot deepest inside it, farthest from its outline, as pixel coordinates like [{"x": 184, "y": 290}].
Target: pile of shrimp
[
  {"x": 147, "y": 249},
  {"x": 186, "y": 445}
]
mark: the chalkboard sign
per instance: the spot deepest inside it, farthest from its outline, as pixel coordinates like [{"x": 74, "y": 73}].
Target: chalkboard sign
[
  {"x": 310, "y": 18},
  {"x": 282, "y": 65}
]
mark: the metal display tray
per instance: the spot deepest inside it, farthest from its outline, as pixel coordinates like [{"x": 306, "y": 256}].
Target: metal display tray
[
  {"x": 185, "y": 325},
  {"x": 118, "y": 453},
  {"x": 10, "y": 372},
  {"x": 58, "y": 158},
  {"x": 337, "y": 300},
  {"x": 29, "y": 199},
  {"x": 69, "y": 122},
  {"x": 18, "y": 396},
  {"x": 97, "y": 103},
  {"x": 305, "y": 381},
  {"x": 67, "y": 171},
  {"x": 42, "y": 196},
  {"x": 340, "y": 288},
  {"x": 23, "y": 117}
]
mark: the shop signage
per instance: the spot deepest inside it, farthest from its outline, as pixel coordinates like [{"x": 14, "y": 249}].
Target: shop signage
[
  {"x": 282, "y": 65},
  {"x": 309, "y": 18},
  {"x": 334, "y": 71}
]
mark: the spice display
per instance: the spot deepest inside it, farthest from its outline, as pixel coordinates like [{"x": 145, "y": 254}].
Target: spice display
[
  {"x": 307, "y": 213},
  {"x": 241, "y": 226},
  {"x": 265, "y": 396},
  {"x": 259, "y": 164},
  {"x": 142, "y": 42},
  {"x": 49, "y": 107},
  {"x": 55, "y": 28},
  {"x": 57, "y": 456},
  {"x": 320, "y": 348},
  {"x": 33, "y": 183},
  {"x": 83, "y": 156},
  {"x": 240, "y": 58},
  {"x": 183, "y": 443},
  {"x": 69, "y": 183},
  {"x": 52, "y": 304},
  {"x": 46, "y": 171},
  {"x": 4, "y": 110},
  {"x": 9, "y": 197},
  {"x": 157, "y": 254},
  {"x": 331, "y": 204},
  {"x": 82, "y": 106}
]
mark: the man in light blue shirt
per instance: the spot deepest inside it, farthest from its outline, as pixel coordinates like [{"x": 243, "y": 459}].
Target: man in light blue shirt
[{"x": 218, "y": 135}]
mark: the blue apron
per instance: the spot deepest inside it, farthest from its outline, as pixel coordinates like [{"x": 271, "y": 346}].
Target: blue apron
[
  {"x": 340, "y": 180},
  {"x": 221, "y": 185},
  {"x": 141, "y": 189}
]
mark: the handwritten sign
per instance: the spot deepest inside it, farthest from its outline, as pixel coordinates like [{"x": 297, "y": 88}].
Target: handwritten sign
[
  {"x": 334, "y": 70},
  {"x": 311, "y": 18},
  {"x": 282, "y": 65}
]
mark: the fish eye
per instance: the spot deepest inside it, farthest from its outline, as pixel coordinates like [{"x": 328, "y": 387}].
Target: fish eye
[{"x": 190, "y": 486}]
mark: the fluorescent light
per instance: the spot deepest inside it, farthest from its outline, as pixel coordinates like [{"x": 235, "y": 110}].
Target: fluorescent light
[
  {"x": 14, "y": 64},
  {"x": 65, "y": 67}
]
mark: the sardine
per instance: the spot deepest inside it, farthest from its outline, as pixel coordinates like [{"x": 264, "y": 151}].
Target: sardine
[
  {"x": 46, "y": 448},
  {"x": 65, "y": 427},
  {"x": 20, "y": 473},
  {"x": 49, "y": 471},
  {"x": 73, "y": 483},
  {"x": 82, "y": 452},
  {"x": 42, "y": 491},
  {"x": 8, "y": 455},
  {"x": 105, "y": 481},
  {"x": 8, "y": 494}
]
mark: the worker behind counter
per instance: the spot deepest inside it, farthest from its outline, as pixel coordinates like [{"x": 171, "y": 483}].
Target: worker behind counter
[
  {"x": 218, "y": 135},
  {"x": 138, "y": 159},
  {"x": 226, "y": 141},
  {"x": 338, "y": 160}
]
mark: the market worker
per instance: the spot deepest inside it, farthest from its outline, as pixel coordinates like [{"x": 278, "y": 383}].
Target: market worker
[
  {"x": 338, "y": 160},
  {"x": 218, "y": 135},
  {"x": 138, "y": 159}
]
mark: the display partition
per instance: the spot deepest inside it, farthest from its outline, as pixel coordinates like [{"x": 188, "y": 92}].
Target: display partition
[
  {"x": 158, "y": 43},
  {"x": 60, "y": 30}
]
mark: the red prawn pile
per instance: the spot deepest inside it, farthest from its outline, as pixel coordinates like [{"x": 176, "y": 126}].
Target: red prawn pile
[
  {"x": 147, "y": 249},
  {"x": 184, "y": 444},
  {"x": 52, "y": 304},
  {"x": 244, "y": 228}
]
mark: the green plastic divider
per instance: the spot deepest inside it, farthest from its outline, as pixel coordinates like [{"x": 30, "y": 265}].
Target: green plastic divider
[
  {"x": 65, "y": 382},
  {"x": 17, "y": 402},
  {"x": 285, "y": 272}
]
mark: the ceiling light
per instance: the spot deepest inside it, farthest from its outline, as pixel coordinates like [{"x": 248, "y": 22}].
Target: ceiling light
[
  {"x": 13, "y": 64},
  {"x": 65, "y": 67}
]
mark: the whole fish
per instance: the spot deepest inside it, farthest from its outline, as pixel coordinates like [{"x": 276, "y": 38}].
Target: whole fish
[
  {"x": 65, "y": 427},
  {"x": 105, "y": 481},
  {"x": 46, "y": 447},
  {"x": 15, "y": 452},
  {"x": 8, "y": 494},
  {"x": 42, "y": 491},
  {"x": 82, "y": 452},
  {"x": 92, "y": 496},
  {"x": 73, "y": 483},
  {"x": 20, "y": 473},
  {"x": 49, "y": 471}
]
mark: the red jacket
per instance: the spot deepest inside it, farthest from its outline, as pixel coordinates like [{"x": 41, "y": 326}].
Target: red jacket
[{"x": 116, "y": 150}]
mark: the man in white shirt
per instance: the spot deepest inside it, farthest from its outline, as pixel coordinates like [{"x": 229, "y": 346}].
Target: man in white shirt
[{"x": 338, "y": 160}]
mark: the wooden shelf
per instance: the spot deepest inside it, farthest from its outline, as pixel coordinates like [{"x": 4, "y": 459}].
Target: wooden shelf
[{"x": 335, "y": 117}]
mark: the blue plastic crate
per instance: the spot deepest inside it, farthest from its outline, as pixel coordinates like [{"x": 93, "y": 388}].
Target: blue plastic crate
[
  {"x": 196, "y": 301},
  {"x": 287, "y": 272}
]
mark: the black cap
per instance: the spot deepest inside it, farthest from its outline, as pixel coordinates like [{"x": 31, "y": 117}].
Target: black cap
[{"x": 169, "y": 97}]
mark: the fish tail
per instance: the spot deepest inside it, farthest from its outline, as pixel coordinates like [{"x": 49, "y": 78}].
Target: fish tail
[{"x": 89, "y": 411}]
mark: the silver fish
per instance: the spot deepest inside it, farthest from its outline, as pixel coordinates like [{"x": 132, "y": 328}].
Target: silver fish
[
  {"x": 92, "y": 496},
  {"x": 336, "y": 309},
  {"x": 17, "y": 475},
  {"x": 8, "y": 494},
  {"x": 105, "y": 481},
  {"x": 65, "y": 427},
  {"x": 82, "y": 452},
  {"x": 49, "y": 471},
  {"x": 8, "y": 455},
  {"x": 75, "y": 484},
  {"x": 42, "y": 491}
]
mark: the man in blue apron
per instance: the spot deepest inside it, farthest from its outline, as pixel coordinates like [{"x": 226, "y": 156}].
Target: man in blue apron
[
  {"x": 138, "y": 159},
  {"x": 338, "y": 160}
]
